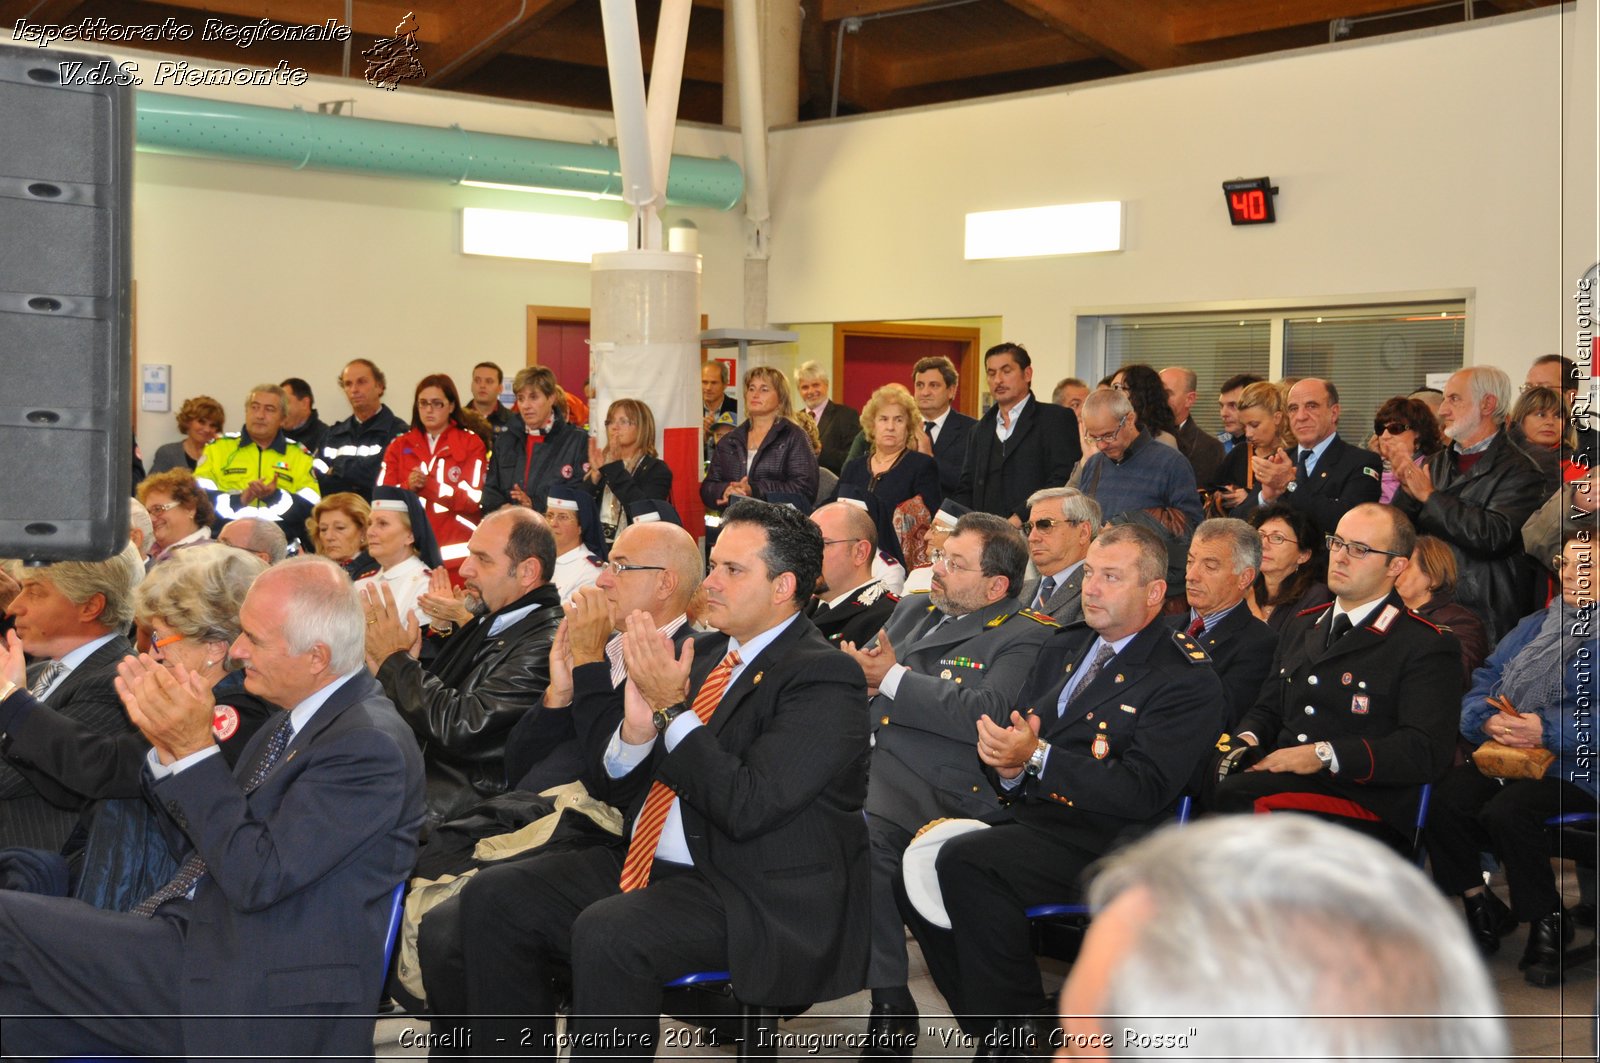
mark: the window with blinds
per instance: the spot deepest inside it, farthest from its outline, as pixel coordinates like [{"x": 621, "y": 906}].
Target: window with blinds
[
  {"x": 1215, "y": 349},
  {"x": 1373, "y": 358}
]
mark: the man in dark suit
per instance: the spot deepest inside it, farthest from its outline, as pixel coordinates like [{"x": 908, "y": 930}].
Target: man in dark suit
[
  {"x": 269, "y": 940},
  {"x": 943, "y": 661},
  {"x": 1020, "y": 444},
  {"x": 488, "y": 674},
  {"x": 836, "y": 424},
  {"x": 934, "y": 383},
  {"x": 1062, "y": 522},
  {"x": 1224, "y": 557},
  {"x": 716, "y": 405},
  {"x": 70, "y": 617},
  {"x": 852, "y": 604},
  {"x": 1112, "y": 725},
  {"x": 1367, "y": 697},
  {"x": 1202, "y": 448},
  {"x": 742, "y": 763},
  {"x": 1327, "y": 477}
]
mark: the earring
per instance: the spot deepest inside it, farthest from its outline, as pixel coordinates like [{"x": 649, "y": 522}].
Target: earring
[{"x": 210, "y": 663}]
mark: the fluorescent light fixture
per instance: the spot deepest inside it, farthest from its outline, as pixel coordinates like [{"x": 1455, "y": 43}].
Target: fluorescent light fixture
[
  {"x": 549, "y": 237},
  {"x": 541, "y": 190},
  {"x": 1064, "y": 229}
]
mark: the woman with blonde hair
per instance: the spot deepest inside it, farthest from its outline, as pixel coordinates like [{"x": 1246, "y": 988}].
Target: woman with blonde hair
[
  {"x": 1264, "y": 416},
  {"x": 338, "y": 531},
  {"x": 769, "y": 454},
  {"x": 627, "y": 469},
  {"x": 894, "y": 470}
]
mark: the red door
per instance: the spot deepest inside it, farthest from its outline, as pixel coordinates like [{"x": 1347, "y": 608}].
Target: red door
[
  {"x": 873, "y": 361},
  {"x": 564, "y": 347}
]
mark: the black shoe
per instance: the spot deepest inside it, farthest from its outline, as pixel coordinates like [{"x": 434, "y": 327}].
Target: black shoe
[
  {"x": 1029, "y": 1038},
  {"x": 1489, "y": 920},
  {"x": 891, "y": 1033},
  {"x": 1547, "y": 941}
]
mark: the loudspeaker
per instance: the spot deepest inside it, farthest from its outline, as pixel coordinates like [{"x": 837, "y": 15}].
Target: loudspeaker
[{"x": 66, "y": 190}]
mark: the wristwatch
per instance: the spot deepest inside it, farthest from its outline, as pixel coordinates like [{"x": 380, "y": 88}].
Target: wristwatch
[
  {"x": 663, "y": 717},
  {"x": 1324, "y": 751},
  {"x": 1036, "y": 762}
]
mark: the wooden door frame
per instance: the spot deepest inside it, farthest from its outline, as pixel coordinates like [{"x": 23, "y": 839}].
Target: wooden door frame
[
  {"x": 564, "y": 315},
  {"x": 967, "y": 365}
]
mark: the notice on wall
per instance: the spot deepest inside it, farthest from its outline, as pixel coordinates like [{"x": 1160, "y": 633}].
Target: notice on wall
[{"x": 155, "y": 388}]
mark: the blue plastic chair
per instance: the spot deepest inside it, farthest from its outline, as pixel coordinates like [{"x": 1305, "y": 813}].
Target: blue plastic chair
[
  {"x": 1081, "y": 910},
  {"x": 753, "y": 1026}
]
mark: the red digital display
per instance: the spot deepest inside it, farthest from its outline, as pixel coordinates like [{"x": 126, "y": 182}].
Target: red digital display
[{"x": 1250, "y": 201}]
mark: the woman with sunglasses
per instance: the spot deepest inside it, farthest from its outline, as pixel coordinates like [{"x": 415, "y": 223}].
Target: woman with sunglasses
[
  {"x": 1403, "y": 430},
  {"x": 442, "y": 461}
]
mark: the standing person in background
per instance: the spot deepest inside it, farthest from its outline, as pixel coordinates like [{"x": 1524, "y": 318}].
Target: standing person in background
[
  {"x": 300, "y": 420},
  {"x": 627, "y": 469},
  {"x": 260, "y": 473},
  {"x": 200, "y": 419},
  {"x": 770, "y": 453},
  {"x": 837, "y": 424},
  {"x": 352, "y": 449},
  {"x": 948, "y": 431},
  {"x": 1019, "y": 445},
  {"x": 1148, "y": 394},
  {"x": 442, "y": 460},
  {"x": 1202, "y": 449},
  {"x": 896, "y": 469},
  {"x": 716, "y": 405},
  {"x": 541, "y": 449},
  {"x": 1404, "y": 430},
  {"x": 1232, "y": 433},
  {"x": 1539, "y": 426},
  {"x": 487, "y": 379}
]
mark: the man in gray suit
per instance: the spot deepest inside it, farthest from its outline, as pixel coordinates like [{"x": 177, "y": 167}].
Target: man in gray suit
[
  {"x": 1062, "y": 522},
  {"x": 940, "y": 663}
]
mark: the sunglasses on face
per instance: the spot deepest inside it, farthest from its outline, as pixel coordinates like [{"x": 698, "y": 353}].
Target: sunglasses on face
[{"x": 1389, "y": 428}]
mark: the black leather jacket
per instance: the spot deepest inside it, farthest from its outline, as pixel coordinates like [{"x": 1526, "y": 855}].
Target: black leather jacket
[
  {"x": 463, "y": 728},
  {"x": 1481, "y": 514}
]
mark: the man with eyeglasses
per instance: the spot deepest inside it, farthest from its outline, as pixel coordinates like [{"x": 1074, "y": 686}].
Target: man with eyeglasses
[
  {"x": 1062, "y": 522},
  {"x": 1130, "y": 472},
  {"x": 489, "y": 673},
  {"x": 260, "y": 472},
  {"x": 1360, "y": 705},
  {"x": 850, "y": 604},
  {"x": 1476, "y": 494},
  {"x": 941, "y": 662}
]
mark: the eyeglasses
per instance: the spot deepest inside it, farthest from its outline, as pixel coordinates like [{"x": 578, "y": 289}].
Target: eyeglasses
[
  {"x": 617, "y": 568},
  {"x": 1278, "y": 539},
  {"x": 157, "y": 646},
  {"x": 939, "y": 557},
  {"x": 834, "y": 542},
  {"x": 1392, "y": 428},
  {"x": 433, "y": 404},
  {"x": 1356, "y": 550},
  {"x": 1044, "y": 524},
  {"x": 1108, "y": 437},
  {"x": 618, "y": 422},
  {"x": 163, "y": 507}
]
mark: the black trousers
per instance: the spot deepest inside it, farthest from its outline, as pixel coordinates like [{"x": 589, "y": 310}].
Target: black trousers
[
  {"x": 493, "y": 957},
  {"x": 1472, "y": 813},
  {"x": 888, "y": 967},
  {"x": 984, "y": 965}
]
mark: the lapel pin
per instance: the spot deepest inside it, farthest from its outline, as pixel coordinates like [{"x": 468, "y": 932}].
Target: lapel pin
[
  {"x": 1119, "y": 677},
  {"x": 756, "y": 679}
]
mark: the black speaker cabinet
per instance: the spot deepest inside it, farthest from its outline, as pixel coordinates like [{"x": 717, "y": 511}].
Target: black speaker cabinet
[{"x": 66, "y": 184}]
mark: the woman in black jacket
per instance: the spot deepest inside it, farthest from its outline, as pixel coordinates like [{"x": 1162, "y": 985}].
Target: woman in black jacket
[
  {"x": 627, "y": 469},
  {"x": 769, "y": 454},
  {"x": 538, "y": 450}
]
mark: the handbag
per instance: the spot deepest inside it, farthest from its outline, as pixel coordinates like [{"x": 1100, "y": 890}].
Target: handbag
[{"x": 1508, "y": 762}]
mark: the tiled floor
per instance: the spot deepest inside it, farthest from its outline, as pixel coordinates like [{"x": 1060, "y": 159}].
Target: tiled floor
[{"x": 1546, "y": 1024}]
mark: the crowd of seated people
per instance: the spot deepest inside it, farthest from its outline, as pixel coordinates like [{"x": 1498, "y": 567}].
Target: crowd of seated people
[{"x": 491, "y": 636}]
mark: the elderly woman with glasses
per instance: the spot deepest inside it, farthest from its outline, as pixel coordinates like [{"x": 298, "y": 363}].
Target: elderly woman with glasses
[
  {"x": 1534, "y": 693},
  {"x": 894, "y": 470},
  {"x": 1403, "y": 430},
  {"x": 627, "y": 469},
  {"x": 180, "y": 512}
]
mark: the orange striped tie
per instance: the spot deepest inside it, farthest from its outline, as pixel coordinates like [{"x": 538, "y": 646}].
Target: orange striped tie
[{"x": 653, "y": 816}]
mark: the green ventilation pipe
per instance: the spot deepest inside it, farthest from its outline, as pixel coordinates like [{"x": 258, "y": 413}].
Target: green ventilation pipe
[{"x": 186, "y": 125}]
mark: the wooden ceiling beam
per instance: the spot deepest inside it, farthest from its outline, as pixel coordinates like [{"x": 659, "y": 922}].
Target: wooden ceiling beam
[
  {"x": 478, "y": 32},
  {"x": 702, "y": 61},
  {"x": 1202, "y": 23},
  {"x": 1131, "y": 33},
  {"x": 969, "y": 61},
  {"x": 834, "y": 10},
  {"x": 371, "y": 19}
]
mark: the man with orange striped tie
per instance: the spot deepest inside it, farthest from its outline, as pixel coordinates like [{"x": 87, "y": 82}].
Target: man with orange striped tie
[{"x": 741, "y": 762}]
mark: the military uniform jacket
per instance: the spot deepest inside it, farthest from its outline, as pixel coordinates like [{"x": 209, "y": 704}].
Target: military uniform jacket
[
  {"x": 231, "y": 462},
  {"x": 1241, "y": 648},
  {"x": 925, "y": 759},
  {"x": 1122, "y": 753},
  {"x": 1343, "y": 478},
  {"x": 857, "y": 619},
  {"x": 1386, "y": 696}
]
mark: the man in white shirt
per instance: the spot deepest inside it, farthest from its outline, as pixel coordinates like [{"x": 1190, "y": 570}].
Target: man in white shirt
[{"x": 934, "y": 383}]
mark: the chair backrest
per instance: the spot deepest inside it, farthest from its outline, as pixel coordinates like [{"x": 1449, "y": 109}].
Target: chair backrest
[{"x": 397, "y": 907}]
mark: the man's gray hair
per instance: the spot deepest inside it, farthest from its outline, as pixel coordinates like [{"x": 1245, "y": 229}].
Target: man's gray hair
[
  {"x": 262, "y": 537},
  {"x": 1490, "y": 380},
  {"x": 323, "y": 607},
  {"x": 1108, "y": 400},
  {"x": 1274, "y": 937},
  {"x": 139, "y": 521},
  {"x": 1075, "y": 506},
  {"x": 810, "y": 371},
  {"x": 269, "y": 388},
  {"x": 1244, "y": 540},
  {"x": 116, "y": 578}
]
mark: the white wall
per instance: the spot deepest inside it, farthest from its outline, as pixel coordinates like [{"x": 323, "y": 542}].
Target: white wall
[
  {"x": 1430, "y": 163},
  {"x": 247, "y": 272}
]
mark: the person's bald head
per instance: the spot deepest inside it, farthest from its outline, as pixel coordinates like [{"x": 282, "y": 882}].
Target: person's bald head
[
  {"x": 849, "y": 541},
  {"x": 668, "y": 573}
]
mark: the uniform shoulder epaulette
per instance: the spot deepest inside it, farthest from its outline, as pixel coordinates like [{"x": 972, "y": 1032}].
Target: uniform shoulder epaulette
[
  {"x": 997, "y": 621},
  {"x": 1041, "y": 618},
  {"x": 595, "y": 561},
  {"x": 1419, "y": 618},
  {"x": 1315, "y": 609},
  {"x": 919, "y": 590},
  {"x": 872, "y": 592},
  {"x": 1193, "y": 652}
]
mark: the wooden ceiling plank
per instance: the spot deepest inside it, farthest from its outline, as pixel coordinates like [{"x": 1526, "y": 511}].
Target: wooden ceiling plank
[
  {"x": 371, "y": 19},
  {"x": 477, "y": 33},
  {"x": 834, "y": 10},
  {"x": 1002, "y": 57},
  {"x": 1132, "y": 33},
  {"x": 574, "y": 44},
  {"x": 1201, "y": 23}
]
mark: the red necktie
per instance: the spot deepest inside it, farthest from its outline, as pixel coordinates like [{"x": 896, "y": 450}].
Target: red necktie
[
  {"x": 1198, "y": 626},
  {"x": 653, "y": 816}
]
